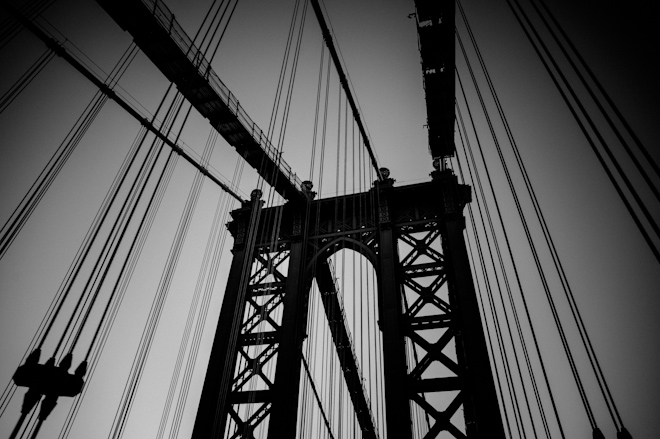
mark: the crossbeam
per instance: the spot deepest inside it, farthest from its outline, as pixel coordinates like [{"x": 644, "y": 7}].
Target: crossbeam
[{"x": 163, "y": 40}]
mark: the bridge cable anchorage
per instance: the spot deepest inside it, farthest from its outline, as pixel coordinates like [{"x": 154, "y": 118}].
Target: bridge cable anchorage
[
  {"x": 61, "y": 51},
  {"x": 65, "y": 287},
  {"x": 327, "y": 37}
]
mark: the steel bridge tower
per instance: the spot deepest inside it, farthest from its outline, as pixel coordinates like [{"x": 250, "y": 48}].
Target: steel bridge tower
[
  {"x": 428, "y": 218},
  {"x": 434, "y": 274},
  {"x": 303, "y": 233}
]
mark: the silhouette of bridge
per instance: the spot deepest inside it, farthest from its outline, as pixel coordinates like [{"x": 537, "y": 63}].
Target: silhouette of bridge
[{"x": 354, "y": 305}]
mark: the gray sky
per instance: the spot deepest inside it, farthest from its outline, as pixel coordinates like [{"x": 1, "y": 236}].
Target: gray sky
[{"x": 612, "y": 273}]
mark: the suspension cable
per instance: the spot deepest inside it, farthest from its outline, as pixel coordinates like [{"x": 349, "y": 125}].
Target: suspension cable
[
  {"x": 62, "y": 52},
  {"x": 600, "y": 88},
  {"x": 25, "y": 79},
  {"x": 535, "y": 255},
  {"x": 591, "y": 142},
  {"x": 327, "y": 37},
  {"x": 604, "y": 388},
  {"x": 11, "y": 27}
]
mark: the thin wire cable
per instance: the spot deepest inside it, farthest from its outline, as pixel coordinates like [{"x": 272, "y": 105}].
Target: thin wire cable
[
  {"x": 26, "y": 79},
  {"x": 559, "y": 267},
  {"x": 608, "y": 172},
  {"x": 600, "y": 88},
  {"x": 563, "y": 338}
]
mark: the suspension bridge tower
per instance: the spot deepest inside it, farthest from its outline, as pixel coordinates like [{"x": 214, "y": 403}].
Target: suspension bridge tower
[
  {"x": 427, "y": 288},
  {"x": 411, "y": 235}
]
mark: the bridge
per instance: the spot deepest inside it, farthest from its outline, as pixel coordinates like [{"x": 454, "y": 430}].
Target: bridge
[{"x": 343, "y": 298}]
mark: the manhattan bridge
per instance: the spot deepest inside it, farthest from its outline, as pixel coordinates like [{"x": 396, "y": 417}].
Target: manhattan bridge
[{"x": 447, "y": 226}]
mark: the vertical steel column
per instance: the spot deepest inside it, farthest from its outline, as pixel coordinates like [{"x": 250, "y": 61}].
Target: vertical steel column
[
  {"x": 283, "y": 417},
  {"x": 397, "y": 405},
  {"x": 481, "y": 407},
  {"x": 213, "y": 405}
]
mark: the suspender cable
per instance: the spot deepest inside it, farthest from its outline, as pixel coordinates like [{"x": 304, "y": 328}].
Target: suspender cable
[
  {"x": 46, "y": 177},
  {"x": 591, "y": 142},
  {"x": 37, "y": 191},
  {"x": 327, "y": 37},
  {"x": 602, "y": 91},
  {"x": 476, "y": 182},
  {"x": 62, "y": 52},
  {"x": 10, "y": 27},
  {"x": 107, "y": 259},
  {"x": 318, "y": 399},
  {"x": 25, "y": 79},
  {"x": 614, "y": 128},
  {"x": 539, "y": 268},
  {"x": 604, "y": 388},
  {"x": 193, "y": 197},
  {"x": 488, "y": 224},
  {"x": 466, "y": 146},
  {"x": 537, "y": 261},
  {"x": 127, "y": 209},
  {"x": 106, "y": 322}
]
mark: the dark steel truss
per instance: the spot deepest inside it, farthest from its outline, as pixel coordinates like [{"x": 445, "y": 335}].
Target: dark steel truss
[
  {"x": 433, "y": 371},
  {"x": 250, "y": 397},
  {"x": 434, "y": 354}
]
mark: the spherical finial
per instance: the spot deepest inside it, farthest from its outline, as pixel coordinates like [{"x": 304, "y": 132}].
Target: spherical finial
[
  {"x": 384, "y": 172},
  {"x": 256, "y": 194},
  {"x": 307, "y": 186}
]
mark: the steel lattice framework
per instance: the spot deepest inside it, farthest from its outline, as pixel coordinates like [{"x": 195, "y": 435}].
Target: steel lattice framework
[
  {"x": 256, "y": 361},
  {"x": 434, "y": 350}
]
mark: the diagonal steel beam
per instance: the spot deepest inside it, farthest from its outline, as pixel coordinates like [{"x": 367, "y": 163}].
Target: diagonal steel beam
[
  {"x": 334, "y": 312},
  {"x": 166, "y": 44},
  {"x": 61, "y": 51}
]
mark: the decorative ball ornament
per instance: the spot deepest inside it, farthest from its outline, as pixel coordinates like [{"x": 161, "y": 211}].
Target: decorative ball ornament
[
  {"x": 307, "y": 185},
  {"x": 256, "y": 194},
  {"x": 436, "y": 163},
  {"x": 384, "y": 172}
]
